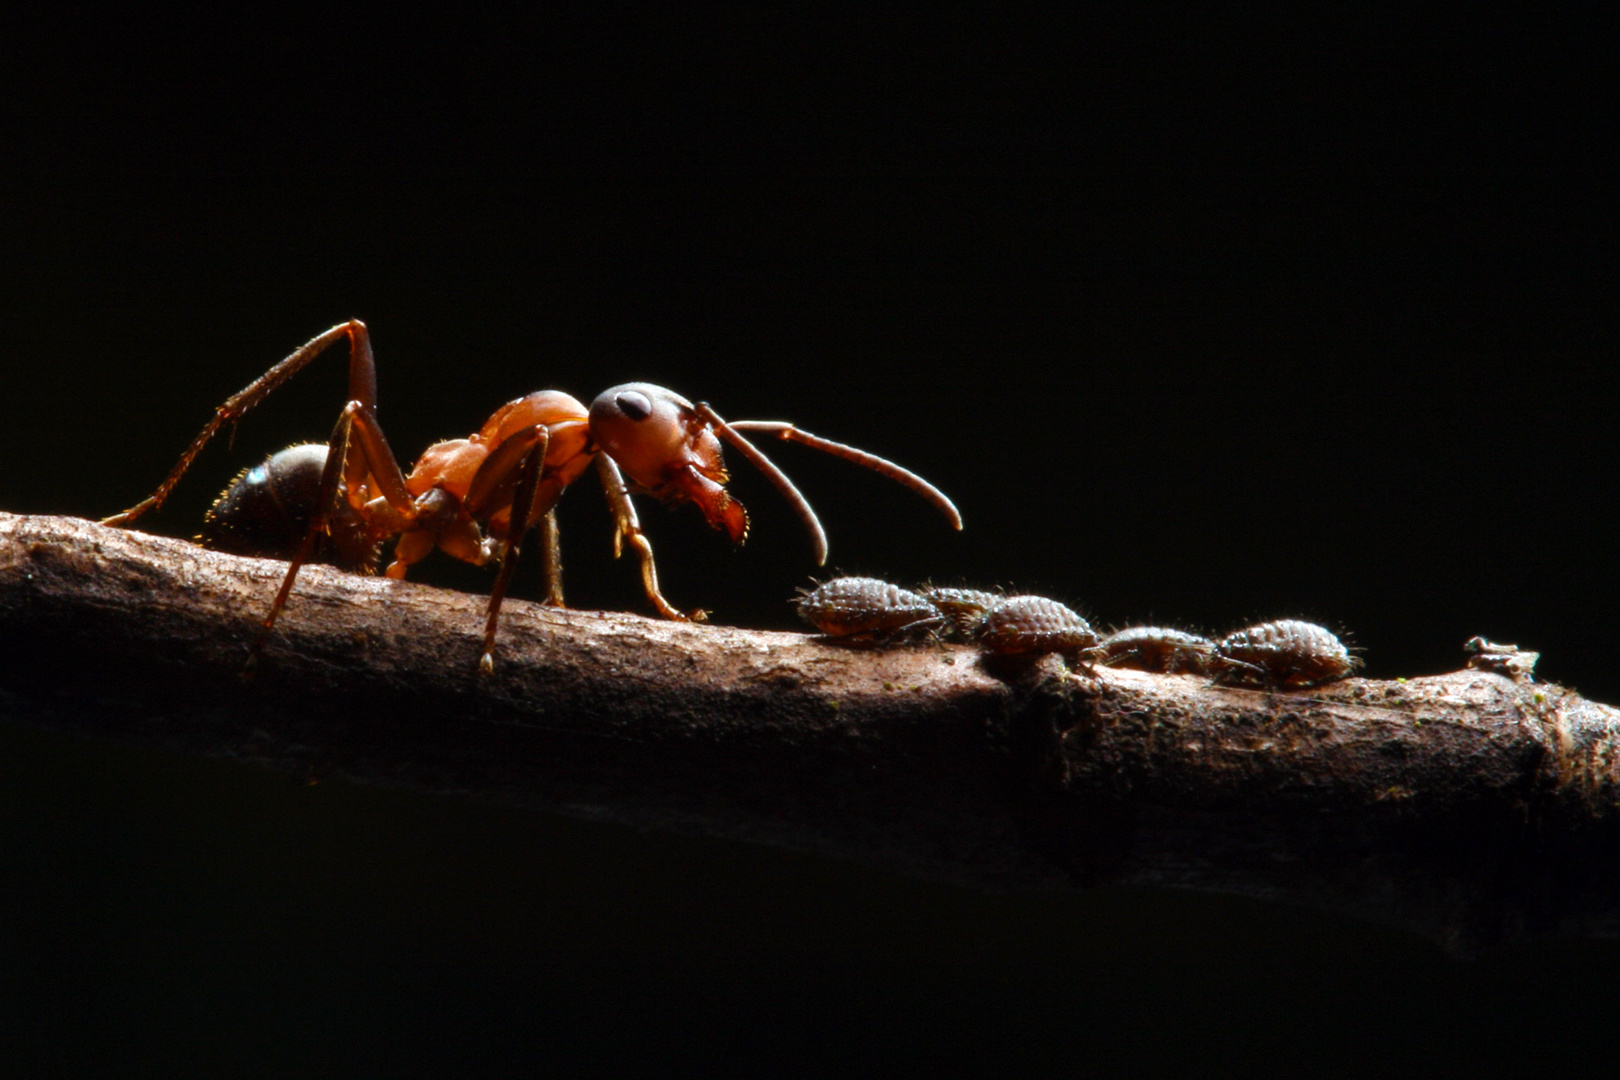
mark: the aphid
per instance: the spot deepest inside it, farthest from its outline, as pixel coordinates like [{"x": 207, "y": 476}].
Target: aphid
[
  {"x": 1033, "y": 625},
  {"x": 964, "y": 609},
  {"x": 476, "y": 498},
  {"x": 1156, "y": 648},
  {"x": 1510, "y": 660},
  {"x": 1286, "y": 653},
  {"x": 864, "y": 607}
]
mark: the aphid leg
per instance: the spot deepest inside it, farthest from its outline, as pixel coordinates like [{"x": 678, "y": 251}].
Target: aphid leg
[
  {"x": 626, "y": 527},
  {"x": 931, "y": 623},
  {"x": 1228, "y": 672},
  {"x": 1085, "y": 660},
  {"x": 362, "y": 388},
  {"x": 522, "y": 502},
  {"x": 1119, "y": 659},
  {"x": 901, "y": 475},
  {"x": 801, "y": 506}
]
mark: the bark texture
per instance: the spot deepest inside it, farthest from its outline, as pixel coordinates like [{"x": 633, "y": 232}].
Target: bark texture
[{"x": 1470, "y": 807}]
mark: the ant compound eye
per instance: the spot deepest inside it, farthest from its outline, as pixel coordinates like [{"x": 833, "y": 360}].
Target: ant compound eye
[{"x": 634, "y": 404}]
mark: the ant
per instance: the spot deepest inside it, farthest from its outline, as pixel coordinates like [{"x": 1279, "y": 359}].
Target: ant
[{"x": 477, "y": 498}]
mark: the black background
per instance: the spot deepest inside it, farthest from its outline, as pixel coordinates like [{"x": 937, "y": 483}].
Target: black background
[{"x": 1203, "y": 317}]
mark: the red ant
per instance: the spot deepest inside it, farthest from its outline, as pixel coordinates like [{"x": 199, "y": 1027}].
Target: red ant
[{"x": 464, "y": 495}]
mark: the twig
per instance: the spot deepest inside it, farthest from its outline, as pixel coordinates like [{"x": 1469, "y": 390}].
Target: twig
[{"x": 1470, "y": 807}]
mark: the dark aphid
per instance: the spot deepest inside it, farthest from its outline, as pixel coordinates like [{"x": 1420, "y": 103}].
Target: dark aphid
[
  {"x": 1034, "y": 625},
  {"x": 868, "y": 607},
  {"x": 1285, "y": 653},
  {"x": 266, "y": 512},
  {"x": 1157, "y": 648},
  {"x": 964, "y": 609}
]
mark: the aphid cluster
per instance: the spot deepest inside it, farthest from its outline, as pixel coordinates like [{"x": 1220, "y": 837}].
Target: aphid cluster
[
  {"x": 1286, "y": 654},
  {"x": 869, "y": 609}
]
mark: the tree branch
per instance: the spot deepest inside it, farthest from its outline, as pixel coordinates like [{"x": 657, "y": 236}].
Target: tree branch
[{"x": 1469, "y": 807}]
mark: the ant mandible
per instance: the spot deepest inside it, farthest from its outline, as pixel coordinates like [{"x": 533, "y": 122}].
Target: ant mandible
[{"x": 463, "y": 496}]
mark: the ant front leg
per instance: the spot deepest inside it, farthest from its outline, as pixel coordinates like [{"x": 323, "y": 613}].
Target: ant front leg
[
  {"x": 626, "y": 527},
  {"x": 362, "y": 388}
]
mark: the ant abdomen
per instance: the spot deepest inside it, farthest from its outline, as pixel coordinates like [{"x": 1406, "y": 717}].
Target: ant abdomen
[{"x": 265, "y": 512}]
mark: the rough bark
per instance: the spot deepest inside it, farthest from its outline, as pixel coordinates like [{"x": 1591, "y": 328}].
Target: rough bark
[{"x": 1470, "y": 807}]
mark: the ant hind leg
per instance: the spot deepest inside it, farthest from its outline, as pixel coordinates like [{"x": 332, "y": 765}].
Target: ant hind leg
[{"x": 362, "y": 388}]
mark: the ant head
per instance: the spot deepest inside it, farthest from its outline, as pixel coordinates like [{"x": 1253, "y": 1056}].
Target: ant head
[
  {"x": 664, "y": 447},
  {"x": 645, "y": 428}
]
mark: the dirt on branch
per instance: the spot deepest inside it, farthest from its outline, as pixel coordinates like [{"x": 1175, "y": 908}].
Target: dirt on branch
[{"x": 1470, "y": 807}]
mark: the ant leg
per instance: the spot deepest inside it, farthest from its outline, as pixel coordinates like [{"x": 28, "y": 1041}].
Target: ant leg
[
  {"x": 522, "y": 501},
  {"x": 337, "y": 448},
  {"x": 356, "y": 430},
  {"x": 818, "y": 536},
  {"x": 784, "y": 430},
  {"x": 373, "y": 465},
  {"x": 493, "y": 487},
  {"x": 487, "y": 488},
  {"x": 627, "y": 527},
  {"x": 551, "y": 551},
  {"x": 362, "y": 388}
]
